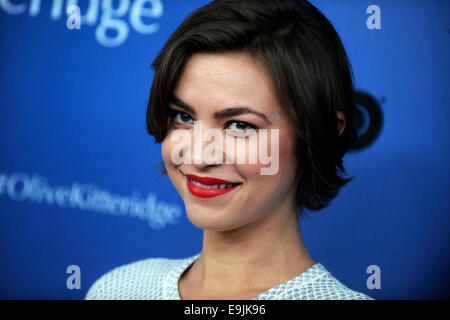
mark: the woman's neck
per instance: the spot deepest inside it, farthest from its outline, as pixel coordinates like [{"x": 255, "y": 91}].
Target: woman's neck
[{"x": 247, "y": 261}]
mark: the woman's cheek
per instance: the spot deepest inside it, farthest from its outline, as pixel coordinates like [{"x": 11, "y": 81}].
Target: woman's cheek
[
  {"x": 173, "y": 142},
  {"x": 166, "y": 150},
  {"x": 245, "y": 150},
  {"x": 172, "y": 153}
]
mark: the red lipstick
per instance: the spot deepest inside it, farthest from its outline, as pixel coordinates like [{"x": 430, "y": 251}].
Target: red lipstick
[{"x": 194, "y": 184}]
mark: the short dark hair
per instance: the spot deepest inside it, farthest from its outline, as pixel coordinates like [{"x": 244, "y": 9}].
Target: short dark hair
[{"x": 308, "y": 65}]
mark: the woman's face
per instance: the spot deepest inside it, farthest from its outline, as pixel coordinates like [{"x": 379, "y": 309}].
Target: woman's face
[{"x": 209, "y": 84}]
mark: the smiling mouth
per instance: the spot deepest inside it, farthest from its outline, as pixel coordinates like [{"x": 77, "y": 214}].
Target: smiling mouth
[
  {"x": 214, "y": 186},
  {"x": 209, "y": 187}
]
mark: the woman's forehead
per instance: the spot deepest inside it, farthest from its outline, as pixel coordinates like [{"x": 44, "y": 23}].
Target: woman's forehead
[{"x": 226, "y": 78}]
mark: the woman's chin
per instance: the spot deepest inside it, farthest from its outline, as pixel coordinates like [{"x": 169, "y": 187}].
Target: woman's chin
[{"x": 212, "y": 220}]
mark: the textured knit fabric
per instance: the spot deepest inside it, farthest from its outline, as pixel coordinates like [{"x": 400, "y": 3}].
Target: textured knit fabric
[{"x": 157, "y": 279}]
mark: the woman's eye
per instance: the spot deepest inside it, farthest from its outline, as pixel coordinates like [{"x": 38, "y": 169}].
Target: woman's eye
[
  {"x": 238, "y": 128},
  {"x": 179, "y": 116},
  {"x": 241, "y": 128}
]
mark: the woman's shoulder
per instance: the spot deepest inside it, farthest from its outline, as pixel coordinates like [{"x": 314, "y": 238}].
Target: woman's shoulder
[
  {"x": 139, "y": 280},
  {"x": 327, "y": 287},
  {"x": 316, "y": 283}
]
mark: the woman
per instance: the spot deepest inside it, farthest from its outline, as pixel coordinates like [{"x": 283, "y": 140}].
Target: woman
[{"x": 247, "y": 69}]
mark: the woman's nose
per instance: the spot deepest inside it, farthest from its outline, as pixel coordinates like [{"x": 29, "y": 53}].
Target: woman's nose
[
  {"x": 208, "y": 145},
  {"x": 200, "y": 146}
]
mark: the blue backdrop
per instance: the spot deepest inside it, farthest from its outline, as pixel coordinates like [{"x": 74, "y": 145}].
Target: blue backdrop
[{"x": 78, "y": 184}]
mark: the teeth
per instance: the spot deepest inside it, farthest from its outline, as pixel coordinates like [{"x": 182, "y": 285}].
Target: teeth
[{"x": 214, "y": 186}]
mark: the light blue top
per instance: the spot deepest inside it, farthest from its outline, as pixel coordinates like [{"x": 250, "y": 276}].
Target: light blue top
[{"x": 157, "y": 279}]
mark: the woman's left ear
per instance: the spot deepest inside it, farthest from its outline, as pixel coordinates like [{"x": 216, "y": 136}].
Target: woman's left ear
[{"x": 341, "y": 122}]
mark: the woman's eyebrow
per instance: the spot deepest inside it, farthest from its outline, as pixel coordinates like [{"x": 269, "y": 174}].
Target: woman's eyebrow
[
  {"x": 183, "y": 105},
  {"x": 225, "y": 113}
]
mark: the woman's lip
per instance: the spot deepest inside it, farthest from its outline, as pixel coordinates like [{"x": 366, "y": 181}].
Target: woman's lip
[
  {"x": 207, "y": 193},
  {"x": 208, "y": 180}
]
